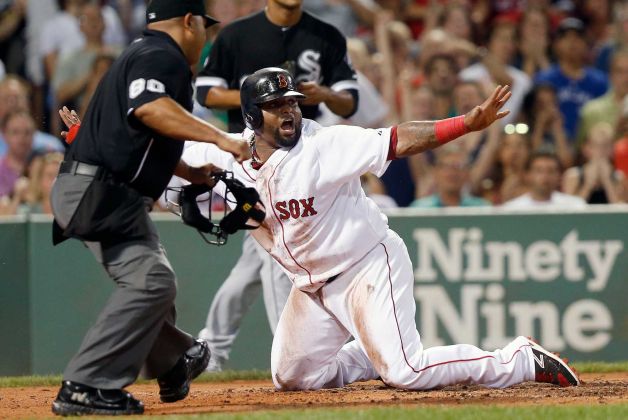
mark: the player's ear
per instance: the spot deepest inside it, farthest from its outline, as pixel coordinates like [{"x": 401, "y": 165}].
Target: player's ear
[{"x": 188, "y": 21}]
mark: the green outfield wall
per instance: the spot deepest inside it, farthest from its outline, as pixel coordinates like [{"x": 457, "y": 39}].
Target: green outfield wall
[{"x": 481, "y": 278}]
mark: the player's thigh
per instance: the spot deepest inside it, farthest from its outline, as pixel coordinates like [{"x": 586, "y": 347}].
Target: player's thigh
[
  {"x": 382, "y": 310},
  {"x": 307, "y": 338}
]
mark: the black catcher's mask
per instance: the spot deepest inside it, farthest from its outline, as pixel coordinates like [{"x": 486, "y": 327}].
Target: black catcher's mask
[{"x": 248, "y": 211}]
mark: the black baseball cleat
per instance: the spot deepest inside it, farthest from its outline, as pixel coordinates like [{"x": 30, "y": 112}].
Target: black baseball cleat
[
  {"x": 550, "y": 368},
  {"x": 75, "y": 399},
  {"x": 174, "y": 385}
]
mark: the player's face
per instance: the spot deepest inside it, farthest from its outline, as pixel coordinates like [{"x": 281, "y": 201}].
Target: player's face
[{"x": 282, "y": 122}]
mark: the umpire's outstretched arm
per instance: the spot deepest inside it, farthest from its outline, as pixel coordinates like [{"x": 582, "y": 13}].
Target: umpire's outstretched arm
[{"x": 168, "y": 118}]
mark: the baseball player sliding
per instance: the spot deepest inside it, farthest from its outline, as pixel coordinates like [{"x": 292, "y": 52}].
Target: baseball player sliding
[{"x": 352, "y": 275}]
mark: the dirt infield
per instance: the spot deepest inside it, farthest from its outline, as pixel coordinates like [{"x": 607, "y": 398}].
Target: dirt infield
[{"x": 241, "y": 396}]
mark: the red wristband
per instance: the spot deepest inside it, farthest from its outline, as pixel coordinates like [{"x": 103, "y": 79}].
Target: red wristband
[
  {"x": 392, "y": 146},
  {"x": 449, "y": 129},
  {"x": 72, "y": 132}
]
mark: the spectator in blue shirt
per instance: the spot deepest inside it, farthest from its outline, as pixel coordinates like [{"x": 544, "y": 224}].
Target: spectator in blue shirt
[
  {"x": 575, "y": 83},
  {"x": 451, "y": 176}
]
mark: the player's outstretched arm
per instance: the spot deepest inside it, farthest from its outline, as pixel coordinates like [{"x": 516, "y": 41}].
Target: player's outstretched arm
[
  {"x": 168, "y": 118},
  {"x": 417, "y": 136}
]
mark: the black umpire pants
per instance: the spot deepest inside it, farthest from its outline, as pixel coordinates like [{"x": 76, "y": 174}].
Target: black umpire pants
[{"x": 136, "y": 328}]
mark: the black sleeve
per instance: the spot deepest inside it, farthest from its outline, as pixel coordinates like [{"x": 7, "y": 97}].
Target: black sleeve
[
  {"x": 355, "y": 93},
  {"x": 218, "y": 70},
  {"x": 153, "y": 75},
  {"x": 338, "y": 71}
]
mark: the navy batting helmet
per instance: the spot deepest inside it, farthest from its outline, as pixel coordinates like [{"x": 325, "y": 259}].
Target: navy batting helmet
[{"x": 264, "y": 85}]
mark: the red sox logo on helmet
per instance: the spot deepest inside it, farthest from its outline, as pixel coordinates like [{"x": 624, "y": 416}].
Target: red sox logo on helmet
[{"x": 283, "y": 82}]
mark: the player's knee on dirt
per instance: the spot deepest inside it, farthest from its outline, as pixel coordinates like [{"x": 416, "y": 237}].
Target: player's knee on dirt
[
  {"x": 294, "y": 376},
  {"x": 305, "y": 375},
  {"x": 401, "y": 377},
  {"x": 289, "y": 376}
]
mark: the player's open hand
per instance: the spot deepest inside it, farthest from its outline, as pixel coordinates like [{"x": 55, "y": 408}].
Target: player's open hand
[{"x": 486, "y": 114}]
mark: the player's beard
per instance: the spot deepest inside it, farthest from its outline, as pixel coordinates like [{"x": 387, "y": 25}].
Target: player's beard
[{"x": 290, "y": 141}]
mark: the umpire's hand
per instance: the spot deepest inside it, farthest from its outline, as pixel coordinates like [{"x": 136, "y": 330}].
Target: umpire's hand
[
  {"x": 197, "y": 175},
  {"x": 69, "y": 118},
  {"x": 238, "y": 148}
]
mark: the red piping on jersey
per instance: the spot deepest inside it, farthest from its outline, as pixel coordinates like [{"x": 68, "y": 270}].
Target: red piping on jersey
[
  {"x": 283, "y": 233},
  {"x": 392, "y": 147},
  {"x": 440, "y": 363},
  {"x": 247, "y": 173}
]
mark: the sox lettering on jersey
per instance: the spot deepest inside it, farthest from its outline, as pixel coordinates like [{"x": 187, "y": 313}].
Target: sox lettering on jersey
[{"x": 303, "y": 207}]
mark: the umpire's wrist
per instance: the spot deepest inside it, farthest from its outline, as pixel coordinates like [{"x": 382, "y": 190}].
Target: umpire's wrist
[
  {"x": 182, "y": 170},
  {"x": 221, "y": 140}
]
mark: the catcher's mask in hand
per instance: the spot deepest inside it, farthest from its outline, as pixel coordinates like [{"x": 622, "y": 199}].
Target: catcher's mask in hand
[{"x": 248, "y": 212}]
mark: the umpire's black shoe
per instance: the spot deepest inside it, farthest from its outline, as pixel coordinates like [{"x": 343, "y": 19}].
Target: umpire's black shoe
[
  {"x": 75, "y": 399},
  {"x": 174, "y": 385}
]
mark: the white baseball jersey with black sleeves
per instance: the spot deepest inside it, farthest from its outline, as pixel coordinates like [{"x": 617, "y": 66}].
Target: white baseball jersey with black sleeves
[{"x": 311, "y": 50}]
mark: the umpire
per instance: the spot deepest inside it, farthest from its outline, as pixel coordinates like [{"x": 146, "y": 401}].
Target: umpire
[{"x": 126, "y": 151}]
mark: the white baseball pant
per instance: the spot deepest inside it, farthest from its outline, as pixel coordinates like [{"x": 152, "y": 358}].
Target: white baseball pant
[{"x": 373, "y": 302}]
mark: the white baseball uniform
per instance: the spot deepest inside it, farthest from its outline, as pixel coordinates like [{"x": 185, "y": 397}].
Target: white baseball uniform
[{"x": 352, "y": 274}]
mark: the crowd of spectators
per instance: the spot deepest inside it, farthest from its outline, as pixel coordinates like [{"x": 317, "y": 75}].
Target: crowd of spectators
[{"x": 564, "y": 143}]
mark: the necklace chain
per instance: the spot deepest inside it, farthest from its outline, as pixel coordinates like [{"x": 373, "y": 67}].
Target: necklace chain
[{"x": 254, "y": 159}]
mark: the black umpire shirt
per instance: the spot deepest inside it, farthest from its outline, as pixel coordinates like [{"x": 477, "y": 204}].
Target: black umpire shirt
[
  {"x": 151, "y": 67},
  {"x": 311, "y": 50}
]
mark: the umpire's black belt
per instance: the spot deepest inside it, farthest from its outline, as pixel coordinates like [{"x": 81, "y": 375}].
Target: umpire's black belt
[{"x": 75, "y": 167}]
